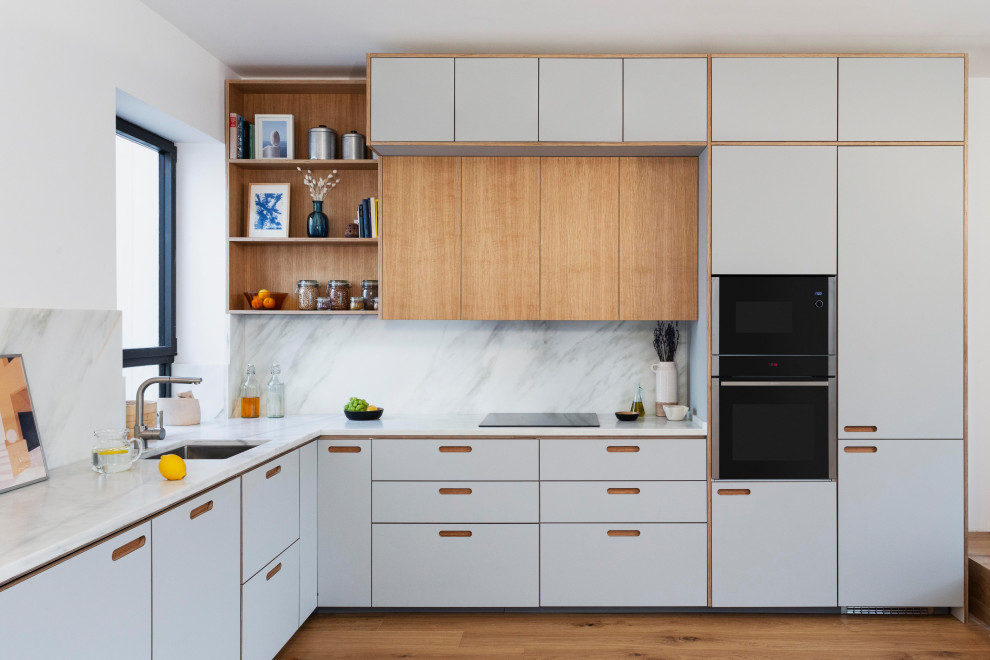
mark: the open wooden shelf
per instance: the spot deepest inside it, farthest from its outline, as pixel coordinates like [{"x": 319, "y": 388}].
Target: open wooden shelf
[
  {"x": 262, "y": 312},
  {"x": 311, "y": 241},
  {"x": 286, "y": 164}
]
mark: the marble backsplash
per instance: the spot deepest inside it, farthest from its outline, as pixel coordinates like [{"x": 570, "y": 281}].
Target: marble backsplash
[
  {"x": 72, "y": 359},
  {"x": 451, "y": 366}
]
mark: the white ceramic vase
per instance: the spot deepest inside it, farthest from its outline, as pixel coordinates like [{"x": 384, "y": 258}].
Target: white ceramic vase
[{"x": 666, "y": 385}]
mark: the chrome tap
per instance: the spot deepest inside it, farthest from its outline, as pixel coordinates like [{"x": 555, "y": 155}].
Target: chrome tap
[{"x": 141, "y": 431}]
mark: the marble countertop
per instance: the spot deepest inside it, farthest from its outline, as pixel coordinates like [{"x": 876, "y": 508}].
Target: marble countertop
[{"x": 75, "y": 506}]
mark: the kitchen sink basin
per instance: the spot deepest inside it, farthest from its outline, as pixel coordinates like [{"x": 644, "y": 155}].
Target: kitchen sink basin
[{"x": 205, "y": 450}]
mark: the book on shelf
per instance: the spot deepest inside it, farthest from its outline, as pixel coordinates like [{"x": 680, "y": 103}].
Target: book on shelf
[
  {"x": 366, "y": 205},
  {"x": 374, "y": 217},
  {"x": 367, "y": 220},
  {"x": 361, "y": 225},
  {"x": 250, "y": 139},
  {"x": 234, "y": 133}
]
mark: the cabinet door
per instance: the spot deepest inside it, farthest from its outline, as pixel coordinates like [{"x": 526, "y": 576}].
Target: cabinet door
[
  {"x": 496, "y": 99},
  {"x": 902, "y": 98},
  {"x": 579, "y": 253},
  {"x": 900, "y": 291},
  {"x": 345, "y": 523},
  {"x": 658, "y": 238},
  {"x": 412, "y": 99},
  {"x": 271, "y": 606},
  {"x": 773, "y": 98},
  {"x": 196, "y": 577},
  {"x": 308, "y": 541},
  {"x": 64, "y": 611},
  {"x": 580, "y": 99},
  {"x": 500, "y": 250},
  {"x": 773, "y": 544},
  {"x": 270, "y": 518},
  {"x": 665, "y": 99},
  {"x": 901, "y": 523},
  {"x": 773, "y": 210},
  {"x": 421, "y": 238}
]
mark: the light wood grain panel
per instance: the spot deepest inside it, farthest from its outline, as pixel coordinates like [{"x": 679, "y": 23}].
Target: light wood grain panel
[
  {"x": 421, "y": 237},
  {"x": 658, "y": 238},
  {"x": 500, "y": 268},
  {"x": 579, "y": 255}
]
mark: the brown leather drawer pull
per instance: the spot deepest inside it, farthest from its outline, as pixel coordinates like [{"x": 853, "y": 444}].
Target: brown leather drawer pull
[
  {"x": 271, "y": 473},
  {"x": 272, "y": 572},
  {"x": 860, "y": 429},
  {"x": 860, "y": 450},
  {"x": 344, "y": 450},
  {"x": 622, "y": 449},
  {"x": 453, "y": 449},
  {"x": 733, "y": 491},
  {"x": 200, "y": 510},
  {"x": 452, "y": 533},
  {"x": 623, "y": 532},
  {"x": 128, "y": 548},
  {"x": 623, "y": 491},
  {"x": 455, "y": 491}
]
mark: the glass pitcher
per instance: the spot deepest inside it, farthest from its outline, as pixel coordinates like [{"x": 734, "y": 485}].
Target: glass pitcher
[{"x": 113, "y": 451}]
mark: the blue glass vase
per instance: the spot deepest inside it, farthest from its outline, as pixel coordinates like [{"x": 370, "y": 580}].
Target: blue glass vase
[{"x": 317, "y": 222}]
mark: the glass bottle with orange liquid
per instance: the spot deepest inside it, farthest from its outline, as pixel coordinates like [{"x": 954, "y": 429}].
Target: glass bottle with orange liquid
[{"x": 250, "y": 395}]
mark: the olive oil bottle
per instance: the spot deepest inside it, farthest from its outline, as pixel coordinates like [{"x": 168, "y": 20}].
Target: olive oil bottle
[{"x": 637, "y": 404}]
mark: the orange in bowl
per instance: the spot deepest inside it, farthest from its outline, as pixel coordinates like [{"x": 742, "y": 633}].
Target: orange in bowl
[{"x": 278, "y": 299}]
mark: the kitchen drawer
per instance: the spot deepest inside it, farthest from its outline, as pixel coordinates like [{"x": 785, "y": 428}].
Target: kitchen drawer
[
  {"x": 270, "y": 602},
  {"x": 456, "y": 502},
  {"x": 459, "y": 459},
  {"x": 623, "y": 501},
  {"x": 624, "y": 566},
  {"x": 611, "y": 459},
  {"x": 455, "y": 565},
  {"x": 270, "y": 512}
]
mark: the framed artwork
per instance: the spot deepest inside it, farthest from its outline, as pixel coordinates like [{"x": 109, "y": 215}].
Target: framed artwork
[
  {"x": 268, "y": 210},
  {"x": 273, "y": 136},
  {"x": 22, "y": 460}
]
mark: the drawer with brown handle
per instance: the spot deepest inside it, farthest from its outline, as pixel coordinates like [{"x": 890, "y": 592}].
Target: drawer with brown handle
[
  {"x": 271, "y": 606},
  {"x": 621, "y": 459},
  {"x": 455, "y": 502},
  {"x": 623, "y": 501},
  {"x": 270, "y": 517},
  {"x": 457, "y": 459}
]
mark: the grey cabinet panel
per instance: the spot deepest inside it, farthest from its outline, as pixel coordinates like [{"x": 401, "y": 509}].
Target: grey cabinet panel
[
  {"x": 496, "y": 99},
  {"x": 344, "y": 511},
  {"x": 901, "y": 524},
  {"x": 900, "y": 291},
  {"x": 773, "y": 210},
  {"x": 665, "y": 99},
  {"x": 773, "y": 98},
  {"x": 901, "y": 98},
  {"x": 412, "y": 99},
  {"x": 580, "y": 100}
]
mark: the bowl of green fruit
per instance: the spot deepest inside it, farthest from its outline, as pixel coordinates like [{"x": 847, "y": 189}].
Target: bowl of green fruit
[{"x": 359, "y": 410}]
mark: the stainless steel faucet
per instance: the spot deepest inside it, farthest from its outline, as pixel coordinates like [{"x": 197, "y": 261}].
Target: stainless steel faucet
[{"x": 140, "y": 430}]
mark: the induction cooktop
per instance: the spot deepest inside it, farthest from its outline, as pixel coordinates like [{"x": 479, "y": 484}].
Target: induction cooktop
[{"x": 540, "y": 419}]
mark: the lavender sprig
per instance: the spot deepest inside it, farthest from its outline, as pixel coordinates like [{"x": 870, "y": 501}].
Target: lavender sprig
[{"x": 666, "y": 337}]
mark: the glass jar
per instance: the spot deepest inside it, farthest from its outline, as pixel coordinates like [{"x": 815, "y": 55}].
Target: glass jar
[
  {"x": 357, "y": 303},
  {"x": 369, "y": 290},
  {"x": 339, "y": 293},
  {"x": 306, "y": 292},
  {"x": 371, "y": 303},
  {"x": 324, "y": 304}
]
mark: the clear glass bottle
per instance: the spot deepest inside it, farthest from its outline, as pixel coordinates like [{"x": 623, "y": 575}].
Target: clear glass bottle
[
  {"x": 275, "y": 395},
  {"x": 637, "y": 404},
  {"x": 250, "y": 395}
]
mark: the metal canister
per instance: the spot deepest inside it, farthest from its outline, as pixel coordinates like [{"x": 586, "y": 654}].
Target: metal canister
[
  {"x": 322, "y": 143},
  {"x": 352, "y": 146}
]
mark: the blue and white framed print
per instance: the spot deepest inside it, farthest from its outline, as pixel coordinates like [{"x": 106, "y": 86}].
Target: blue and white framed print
[{"x": 268, "y": 210}]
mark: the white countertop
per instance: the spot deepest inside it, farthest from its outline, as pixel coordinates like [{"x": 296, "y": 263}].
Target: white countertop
[{"x": 76, "y": 506}]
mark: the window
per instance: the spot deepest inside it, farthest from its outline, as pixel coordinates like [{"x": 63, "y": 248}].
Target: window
[{"x": 146, "y": 253}]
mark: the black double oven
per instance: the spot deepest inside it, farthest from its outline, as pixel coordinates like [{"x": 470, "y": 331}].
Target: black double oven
[{"x": 773, "y": 377}]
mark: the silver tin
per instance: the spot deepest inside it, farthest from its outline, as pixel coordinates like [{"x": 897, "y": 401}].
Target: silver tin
[
  {"x": 322, "y": 143},
  {"x": 352, "y": 146}
]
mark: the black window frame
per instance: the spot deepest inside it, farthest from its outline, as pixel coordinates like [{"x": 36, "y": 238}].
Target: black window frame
[{"x": 164, "y": 354}]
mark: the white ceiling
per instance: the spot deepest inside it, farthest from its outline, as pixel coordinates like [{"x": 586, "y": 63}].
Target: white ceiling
[{"x": 331, "y": 37}]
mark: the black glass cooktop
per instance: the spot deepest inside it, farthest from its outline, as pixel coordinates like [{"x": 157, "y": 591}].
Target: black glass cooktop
[{"x": 540, "y": 419}]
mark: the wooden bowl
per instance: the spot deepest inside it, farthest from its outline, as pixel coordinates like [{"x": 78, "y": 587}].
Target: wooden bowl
[
  {"x": 278, "y": 297},
  {"x": 627, "y": 416}
]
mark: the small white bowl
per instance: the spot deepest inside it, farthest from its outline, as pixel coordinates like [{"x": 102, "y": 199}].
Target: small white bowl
[{"x": 675, "y": 413}]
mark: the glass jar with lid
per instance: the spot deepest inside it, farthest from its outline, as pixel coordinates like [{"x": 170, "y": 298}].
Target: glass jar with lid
[
  {"x": 339, "y": 293},
  {"x": 357, "y": 303},
  {"x": 369, "y": 290},
  {"x": 306, "y": 292},
  {"x": 324, "y": 304}
]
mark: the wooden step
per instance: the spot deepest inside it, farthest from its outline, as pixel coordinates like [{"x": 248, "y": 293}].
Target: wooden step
[{"x": 979, "y": 576}]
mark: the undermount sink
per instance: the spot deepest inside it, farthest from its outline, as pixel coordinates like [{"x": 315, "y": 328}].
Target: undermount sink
[{"x": 205, "y": 450}]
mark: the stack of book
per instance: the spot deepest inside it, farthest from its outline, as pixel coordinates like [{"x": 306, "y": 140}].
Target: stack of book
[
  {"x": 367, "y": 220},
  {"x": 241, "y": 137}
]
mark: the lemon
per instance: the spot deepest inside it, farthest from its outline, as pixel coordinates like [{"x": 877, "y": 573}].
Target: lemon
[
  {"x": 172, "y": 467},
  {"x": 371, "y": 408}
]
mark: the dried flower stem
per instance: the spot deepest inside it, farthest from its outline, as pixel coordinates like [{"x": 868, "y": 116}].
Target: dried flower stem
[{"x": 318, "y": 188}]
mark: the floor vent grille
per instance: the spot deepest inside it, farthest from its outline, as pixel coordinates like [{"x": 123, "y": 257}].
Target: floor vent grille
[{"x": 902, "y": 611}]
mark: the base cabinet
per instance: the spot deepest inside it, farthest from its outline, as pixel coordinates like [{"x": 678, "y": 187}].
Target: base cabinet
[
  {"x": 308, "y": 524},
  {"x": 271, "y": 606}
]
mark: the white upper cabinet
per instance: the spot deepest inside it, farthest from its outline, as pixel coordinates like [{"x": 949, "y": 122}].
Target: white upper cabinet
[
  {"x": 580, "y": 100},
  {"x": 412, "y": 99},
  {"x": 665, "y": 99},
  {"x": 901, "y": 98},
  {"x": 773, "y": 98},
  {"x": 773, "y": 210},
  {"x": 497, "y": 99}
]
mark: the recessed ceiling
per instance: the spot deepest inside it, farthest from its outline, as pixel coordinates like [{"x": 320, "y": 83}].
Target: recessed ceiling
[{"x": 331, "y": 37}]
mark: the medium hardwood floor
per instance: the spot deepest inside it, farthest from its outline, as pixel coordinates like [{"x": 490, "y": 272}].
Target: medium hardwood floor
[{"x": 645, "y": 636}]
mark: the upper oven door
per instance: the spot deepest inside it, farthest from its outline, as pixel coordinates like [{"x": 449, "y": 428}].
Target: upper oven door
[{"x": 773, "y": 315}]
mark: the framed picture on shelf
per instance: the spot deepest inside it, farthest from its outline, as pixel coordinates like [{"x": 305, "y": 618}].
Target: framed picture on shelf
[
  {"x": 22, "y": 460},
  {"x": 273, "y": 136},
  {"x": 268, "y": 210}
]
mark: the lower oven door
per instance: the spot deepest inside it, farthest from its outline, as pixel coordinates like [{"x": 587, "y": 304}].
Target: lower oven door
[{"x": 773, "y": 429}]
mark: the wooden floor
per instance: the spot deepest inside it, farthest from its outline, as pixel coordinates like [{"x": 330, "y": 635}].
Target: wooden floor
[
  {"x": 979, "y": 575},
  {"x": 643, "y": 636}
]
